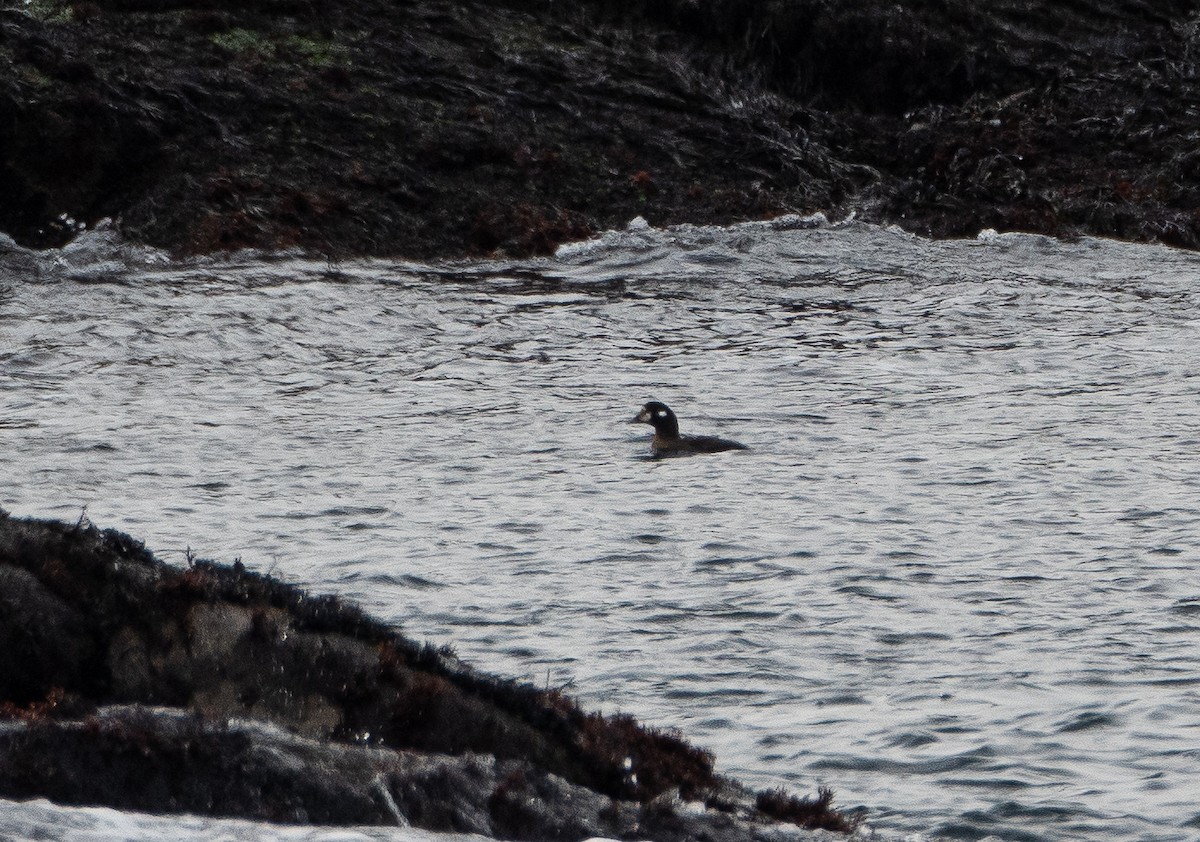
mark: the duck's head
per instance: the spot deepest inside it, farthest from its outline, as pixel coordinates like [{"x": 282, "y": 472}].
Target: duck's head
[{"x": 659, "y": 416}]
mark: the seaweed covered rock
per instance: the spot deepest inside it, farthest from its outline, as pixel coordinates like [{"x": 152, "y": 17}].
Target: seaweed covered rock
[
  {"x": 373, "y": 127},
  {"x": 216, "y": 690},
  {"x": 452, "y": 127},
  {"x": 47, "y": 641}
]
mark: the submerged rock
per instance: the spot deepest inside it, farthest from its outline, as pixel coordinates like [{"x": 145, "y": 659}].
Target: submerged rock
[{"x": 131, "y": 683}]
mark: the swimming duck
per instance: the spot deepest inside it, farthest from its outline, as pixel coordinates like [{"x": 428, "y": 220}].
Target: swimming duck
[{"x": 668, "y": 442}]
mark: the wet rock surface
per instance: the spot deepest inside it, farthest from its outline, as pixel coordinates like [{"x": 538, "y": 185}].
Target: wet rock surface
[
  {"x": 129, "y": 683},
  {"x": 444, "y": 129}
]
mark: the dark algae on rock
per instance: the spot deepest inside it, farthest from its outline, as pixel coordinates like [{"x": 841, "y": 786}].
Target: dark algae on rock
[
  {"x": 441, "y": 128},
  {"x": 211, "y": 689},
  {"x": 372, "y": 127}
]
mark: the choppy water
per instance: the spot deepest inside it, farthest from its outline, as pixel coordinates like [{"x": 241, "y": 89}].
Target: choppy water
[{"x": 954, "y": 579}]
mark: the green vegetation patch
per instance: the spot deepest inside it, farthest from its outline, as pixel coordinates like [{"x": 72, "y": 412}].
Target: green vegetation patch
[
  {"x": 49, "y": 11},
  {"x": 243, "y": 42},
  {"x": 315, "y": 52}
]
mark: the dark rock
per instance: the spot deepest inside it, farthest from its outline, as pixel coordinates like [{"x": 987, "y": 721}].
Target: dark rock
[
  {"x": 244, "y": 696},
  {"x": 45, "y": 642},
  {"x": 161, "y": 759},
  {"x": 446, "y": 128}
]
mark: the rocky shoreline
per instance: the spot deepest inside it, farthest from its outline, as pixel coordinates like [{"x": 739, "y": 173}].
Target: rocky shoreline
[
  {"x": 447, "y": 128},
  {"x": 129, "y": 683}
]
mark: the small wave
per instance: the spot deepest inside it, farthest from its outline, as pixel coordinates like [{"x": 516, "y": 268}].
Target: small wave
[
  {"x": 345, "y": 511},
  {"x": 911, "y": 740},
  {"x": 869, "y": 593},
  {"x": 979, "y": 759},
  {"x": 901, "y": 638},
  {"x": 1087, "y": 721},
  {"x": 1186, "y": 607},
  {"x": 96, "y": 255},
  {"x": 639, "y": 235}
]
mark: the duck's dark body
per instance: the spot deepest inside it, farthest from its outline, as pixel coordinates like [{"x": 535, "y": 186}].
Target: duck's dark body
[{"x": 668, "y": 442}]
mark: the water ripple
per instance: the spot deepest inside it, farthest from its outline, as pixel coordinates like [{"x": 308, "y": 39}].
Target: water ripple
[{"x": 953, "y": 579}]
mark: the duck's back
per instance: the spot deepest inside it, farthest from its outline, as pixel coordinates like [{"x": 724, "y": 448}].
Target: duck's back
[{"x": 694, "y": 444}]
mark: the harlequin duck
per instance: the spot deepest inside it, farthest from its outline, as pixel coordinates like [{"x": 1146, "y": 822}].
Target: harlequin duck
[{"x": 668, "y": 442}]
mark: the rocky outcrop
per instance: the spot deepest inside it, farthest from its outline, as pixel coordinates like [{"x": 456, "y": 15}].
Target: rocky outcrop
[
  {"x": 210, "y": 689},
  {"x": 444, "y": 128},
  {"x": 156, "y": 760}
]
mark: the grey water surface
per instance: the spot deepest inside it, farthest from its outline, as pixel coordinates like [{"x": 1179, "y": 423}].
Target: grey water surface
[{"x": 954, "y": 579}]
